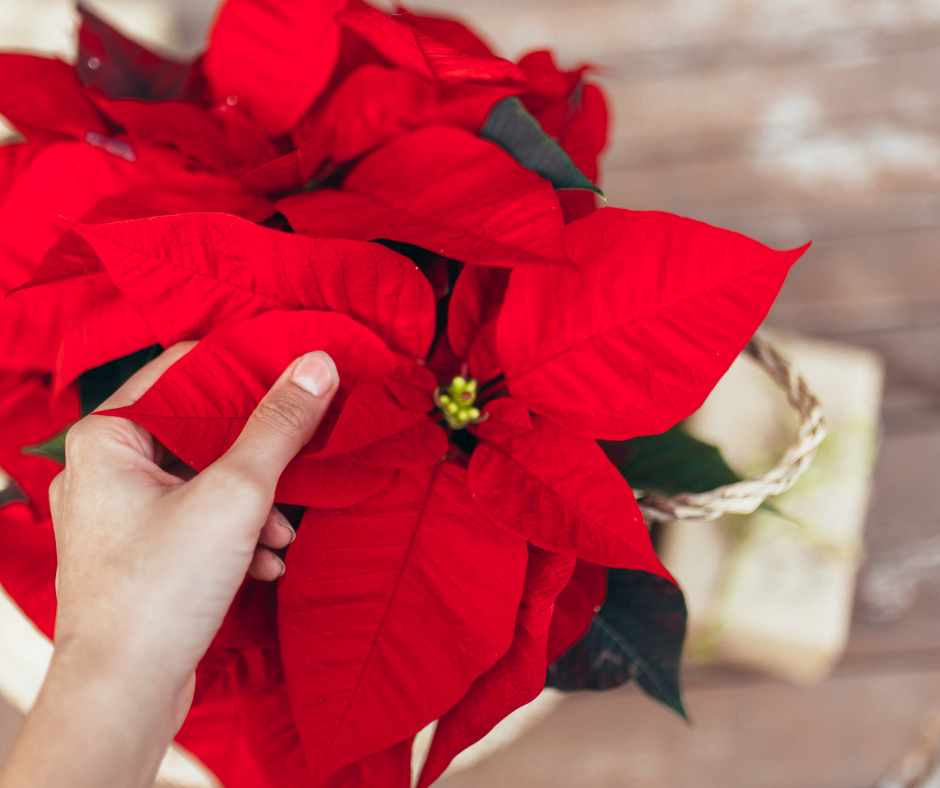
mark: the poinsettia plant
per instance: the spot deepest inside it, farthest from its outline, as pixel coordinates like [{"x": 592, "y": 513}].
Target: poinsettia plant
[{"x": 384, "y": 188}]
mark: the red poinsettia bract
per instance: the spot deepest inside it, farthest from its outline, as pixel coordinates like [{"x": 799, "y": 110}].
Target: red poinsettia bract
[{"x": 318, "y": 181}]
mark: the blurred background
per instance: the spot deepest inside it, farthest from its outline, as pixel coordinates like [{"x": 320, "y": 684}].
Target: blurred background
[{"x": 787, "y": 120}]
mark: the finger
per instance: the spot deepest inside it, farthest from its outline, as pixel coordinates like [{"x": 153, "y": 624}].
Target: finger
[
  {"x": 95, "y": 437},
  {"x": 276, "y": 532},
  {"x": 265, "y": 565},
  {"x": 282, "y": 424},
  {"x": 138, "y": 383}
]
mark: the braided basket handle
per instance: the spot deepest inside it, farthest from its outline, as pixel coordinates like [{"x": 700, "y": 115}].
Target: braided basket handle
[{"x": 745, "y": 496}]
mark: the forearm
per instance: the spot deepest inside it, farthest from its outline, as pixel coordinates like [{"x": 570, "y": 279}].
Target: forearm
[{"x": 93, "y": 725}]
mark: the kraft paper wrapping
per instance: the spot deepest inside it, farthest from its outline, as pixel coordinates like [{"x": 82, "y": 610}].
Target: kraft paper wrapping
[{"x": 763, "y": 591}]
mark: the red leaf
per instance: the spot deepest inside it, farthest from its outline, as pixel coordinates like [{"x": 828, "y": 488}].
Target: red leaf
[
  {"x": 443, "y": 363},
  {"x": 476, "y": 300},
  {"x": 354, "y": 53},
  {"x": 413, "y": 386},
  {"x": 28, "y": 563},
  {"x": 40, "y": 318},
  {"x": 67, "y": 179},
  {"x": 448, "y": 31},
  {"x": 575, "y": 608},
  {"x": 14, "y": 159},
  {"x": 371, "y": 106},
  {"x": 507, "y": 418},
  {"x": 226, "y": 673},
  {"x": 452, "y": 65},
  {"x": 576, "y": 204},
  {"x": 634, "y": 341},
  {"x": 244, "y": 656},
  {"x": 231, "y": 673},
  {"x": 273, "y": 56},
  {"x": 122, "y": 68},
  {"x": 32, "y": 230},
  {"x": 547, "y": 84},
  {"x": 583, "y": 141},
  {"x": 395, "y": 41},
  {"x": 272, "y": 737},
  {"x": 552, "y": 95},
  {"x": 219, "y": 140},
  {"x": 44, "y": 100},
  {"x": 202, "y": 402},
  {"x": 70, "y": 179},
  {"x": 483, "y": 358},
  {"x": 281, "y": 175},
  {"x": 101, "y": 333},
  {"x": 561, "y": 493},
  {"x": 214, "y": 731},
  {"x": 388, "y": 768},
  {"x": 408, "y": 47},
  {"x": 444, "y": 190},
  {"x": 72, "y": 256},
  {"x": 375, "y": 429},
  {"x": 251, "y": 619},
  {"x": 586, "y": 135},
  {"x": 193, "y": 273},
  {"x": 516, "y": 679},
  {"x": 29, "y": 416},
  {"x": 332, "y": 483},
  {"x": 388, "y": 612},
  {"x": 435, "y": 268}
]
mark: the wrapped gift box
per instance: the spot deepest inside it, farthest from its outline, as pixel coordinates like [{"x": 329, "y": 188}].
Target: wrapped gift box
[{"x": 773, "y": 591}]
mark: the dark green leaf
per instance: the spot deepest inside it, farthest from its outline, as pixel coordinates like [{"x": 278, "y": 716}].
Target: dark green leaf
[
  {"x": 97, "y": 384},
  {"x": 638, "y": 634},
  {"x": 511, "y": 127},
  {"x": 675, "y": 462},
  {"x": 54, "y": 448}
]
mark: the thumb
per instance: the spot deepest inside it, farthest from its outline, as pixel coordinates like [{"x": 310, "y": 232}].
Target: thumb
[{"x": 284, "y": 421}]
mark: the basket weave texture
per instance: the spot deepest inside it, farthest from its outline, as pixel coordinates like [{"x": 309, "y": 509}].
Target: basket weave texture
[{"x": 745, "y": 496}]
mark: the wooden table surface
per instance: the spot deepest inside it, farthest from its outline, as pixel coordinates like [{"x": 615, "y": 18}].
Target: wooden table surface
[{"x": 787, "y": 120}]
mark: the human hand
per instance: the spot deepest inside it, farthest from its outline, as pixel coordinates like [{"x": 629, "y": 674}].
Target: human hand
[{"x": 149, "y": 562}]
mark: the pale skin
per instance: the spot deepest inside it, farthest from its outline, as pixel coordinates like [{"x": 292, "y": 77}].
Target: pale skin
[{"x": 149, "y": 562}]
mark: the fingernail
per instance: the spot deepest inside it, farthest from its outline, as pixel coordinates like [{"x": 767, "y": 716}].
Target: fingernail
[
  {"x": 283, "y": 567},
  {"x": 281, "y": 520},
  {"x": 316, "y": 373}
]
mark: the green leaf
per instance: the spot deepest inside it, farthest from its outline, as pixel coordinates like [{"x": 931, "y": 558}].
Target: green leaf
[
  {"x": 638, "y": 634},
  {"x": 675, "y": 462},
  {"x": 511, "y": 127},
  {"x": 97, "y": 384},
  {"x": 672, "y": 463},
  {"x": 94, "y": 387},
  {"x": 54, "y": 448}
]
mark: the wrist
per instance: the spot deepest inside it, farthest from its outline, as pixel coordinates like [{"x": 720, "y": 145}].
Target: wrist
[
  {"x": 131, "y": 701},
  {"x": 94, "y": 724},
  {"x": 135, "y": 686},
  {"x": 119, "y": 654}
]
